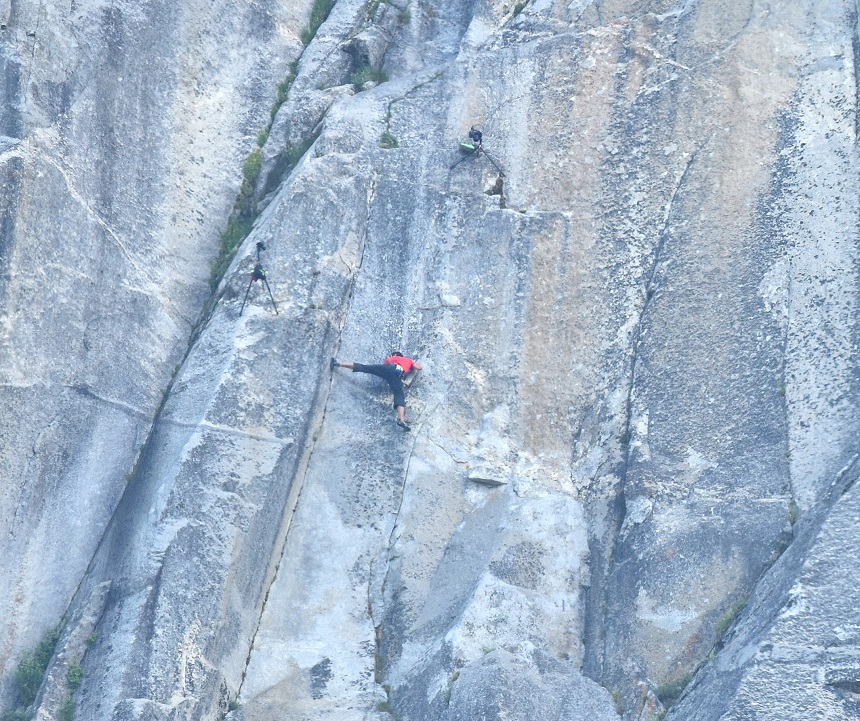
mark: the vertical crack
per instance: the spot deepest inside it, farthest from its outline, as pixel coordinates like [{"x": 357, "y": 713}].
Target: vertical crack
[
  {"x": 375, "y": 618},
  {"x": 315, "y": 426},
  {"x": 854, "y": 19},
  {"x": 650, "y": 288}
]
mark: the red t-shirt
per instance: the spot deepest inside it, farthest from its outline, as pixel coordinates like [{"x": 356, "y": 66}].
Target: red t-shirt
[{"x": 405, "y": 363}]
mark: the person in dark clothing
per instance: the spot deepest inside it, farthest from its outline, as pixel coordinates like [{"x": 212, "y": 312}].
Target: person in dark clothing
[
  {"x": 392, "y": 370},
  {"x": 476, "y": 136}
]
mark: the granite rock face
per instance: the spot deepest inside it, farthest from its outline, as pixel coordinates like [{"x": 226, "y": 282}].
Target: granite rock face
[
  {"x": 629, "y": 484},
  {"x": 123, "y": 128}
]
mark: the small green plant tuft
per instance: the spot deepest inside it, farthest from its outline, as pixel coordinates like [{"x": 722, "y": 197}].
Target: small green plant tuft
[
  {"x": 365, "y": 75},
  {"x": 67, "y": 710},
  {"x": 238, "y": 229},
  {"x": 452, "y": 679},
  {"x": 793, "y": 512},
  {"x": 518, "y": 8},
  {"x": 727, "y": 618},
  {"x": 389, "y": 140},
  {"x": 281, "y": 97},
  {"x": 253, "y": 164},
  {"x": 616, "y": 699},
  {"x": 74, "y": 676},
  {"x": 263, "y": 136},
  {"x": 406, "y": 16},
  {"x": 385, "y": 707},
  {"x": 284, "y": 89},
  {"x": 285, "y": 162},
  {"x": 16, "y": 715},
  {"x": 31, "y": 670},
  {"x": 670, "y": 692},
  {"x": 233, "y": 705},
  {"x": 241, "y": 219},
  {"x": 372, "y": 7},
  {"x": 319, "y": 14}
]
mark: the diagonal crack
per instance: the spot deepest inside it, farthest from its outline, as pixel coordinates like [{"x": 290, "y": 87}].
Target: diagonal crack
[
  {"x": 601, "y": 586},
  {"x": 650, "y": 291}
]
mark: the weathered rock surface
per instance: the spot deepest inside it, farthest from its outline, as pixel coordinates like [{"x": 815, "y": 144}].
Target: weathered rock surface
[
  {"x": 639, "y": 339},
  {"x": 793, "y": 654},
  {"x": 124, "y": 128}
]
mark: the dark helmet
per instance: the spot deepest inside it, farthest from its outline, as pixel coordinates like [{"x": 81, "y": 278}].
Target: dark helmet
[{"x": 397, "y": 353}]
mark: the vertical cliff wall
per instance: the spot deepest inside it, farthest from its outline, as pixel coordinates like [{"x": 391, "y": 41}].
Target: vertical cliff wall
[
  {"x": 123, "y": 130},
  {"x": 628, "y": 486}
]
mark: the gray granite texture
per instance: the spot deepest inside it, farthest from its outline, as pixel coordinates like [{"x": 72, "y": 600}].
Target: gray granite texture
[
  {"x": 629, "y": 486},
  {"x": 123, "y": 130}
]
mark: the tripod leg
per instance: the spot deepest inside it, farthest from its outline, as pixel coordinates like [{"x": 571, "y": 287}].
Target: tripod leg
[
  {"x": 246, "y": 296},
  {"x": 466, "y": 157},
  {"x": 489, "y": 157},
  {"x": 271, "y": 296}
]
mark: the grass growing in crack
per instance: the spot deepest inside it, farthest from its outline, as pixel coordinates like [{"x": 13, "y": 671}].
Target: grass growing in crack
[
  {"x": 319, "y": 13},
  {"x": 16, "y": 715},
  {"x": 253, "y": 163},
  {"x": 385, "y": 707},
  {"x": 452, "y": 679},
  {"x": 670, "y": 692},
  {"x": 792, "y": 511},
  {"x": 74, "y": 676},
  {"x": 372, "y": 7},
  {"x": 616, "y": 699},
  {"x": 241, "y": 218},
  {"x": 67, "y": 710},
  {"x": 389, "y": 139},
  {"x": 285, "y": 161},
  {"x": 366, "y": 74},
  {"x": 31, "y": 670},
  {"x": 728, "y": 618},
  {"x": 283, "y": 93},
  {"x": 284, "y": 88}
]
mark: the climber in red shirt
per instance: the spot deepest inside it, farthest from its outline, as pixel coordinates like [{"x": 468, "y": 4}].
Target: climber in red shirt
[{"x": 392, "y": 370}]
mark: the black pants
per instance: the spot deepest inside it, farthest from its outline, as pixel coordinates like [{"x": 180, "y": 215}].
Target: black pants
[{"x": 388, "y": 372}]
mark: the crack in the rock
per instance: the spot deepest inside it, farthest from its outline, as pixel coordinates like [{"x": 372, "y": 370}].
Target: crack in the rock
[
  {"x": 34, "y": 34},
  {"x": 70, "y": 186},
  {"x": 377, "y": 627},
  {"x": 650, "y": 291},
  {"x": 88, "y": 392},
  {"x": 227, "y": 430},
  {"x": 301, "y": 474},
  {"x": 855, "y": 46},
  {"x": 445, "y": 451}
]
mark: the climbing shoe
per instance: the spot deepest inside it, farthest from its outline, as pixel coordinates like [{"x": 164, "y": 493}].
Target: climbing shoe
[
  {"x": 405, "y": 426},
  {"x": 333, "y": 363}
]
